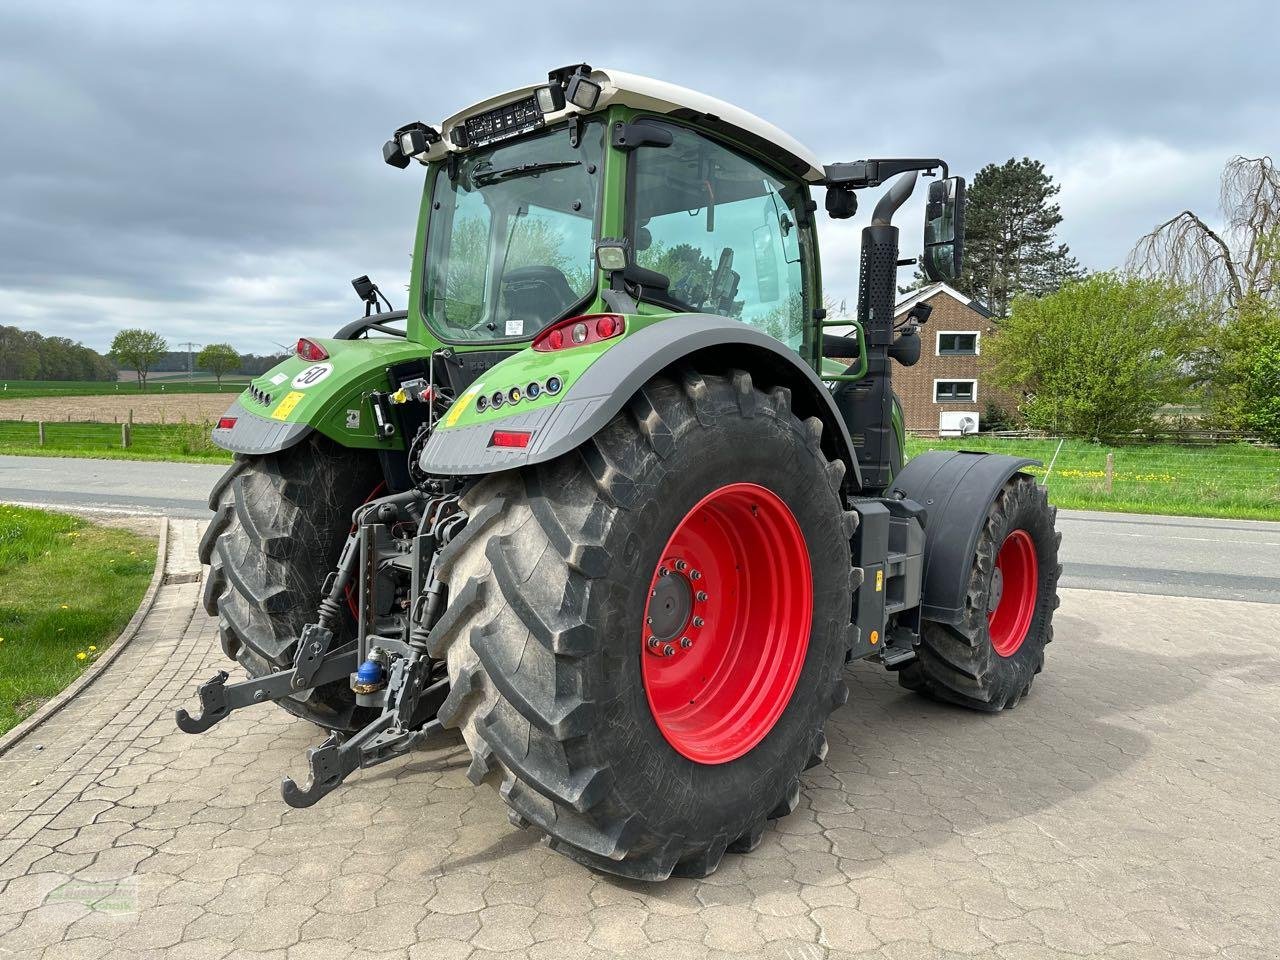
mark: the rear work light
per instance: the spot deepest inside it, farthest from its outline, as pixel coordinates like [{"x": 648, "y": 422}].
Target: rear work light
[
  {"x": 312, "y": 351},
  {"x": 226, "y": 423},
  {"x": 510, "y": 438},
  {"x": 579, "y": 331}
]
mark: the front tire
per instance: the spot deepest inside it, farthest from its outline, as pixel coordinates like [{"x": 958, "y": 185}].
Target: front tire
[
  {"x": 989, "y": 659},
  {"x": 545, "y": 635}
]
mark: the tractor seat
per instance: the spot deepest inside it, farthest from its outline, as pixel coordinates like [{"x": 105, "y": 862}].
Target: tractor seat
[{"x": 536, "y": 293}]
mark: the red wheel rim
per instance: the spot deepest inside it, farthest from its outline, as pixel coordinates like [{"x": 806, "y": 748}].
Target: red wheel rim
[
  {"x": 727, "y": 623},
  {"x": 1015, "y": 584}
]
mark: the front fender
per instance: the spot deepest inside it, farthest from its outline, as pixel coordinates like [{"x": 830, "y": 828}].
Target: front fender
[
  {"x": 593, "y": 397},
  {"x": 296, "y": 396},
  {"x": 955, "y": 487}
]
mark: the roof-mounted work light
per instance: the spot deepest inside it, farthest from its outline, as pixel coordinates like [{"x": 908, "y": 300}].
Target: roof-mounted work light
[
  {"x": 408, "y": 142},
  {"x": 582, "y": 93}
]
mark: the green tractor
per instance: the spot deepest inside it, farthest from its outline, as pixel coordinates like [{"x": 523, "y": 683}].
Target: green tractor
[{"x": 608, "y": 497}]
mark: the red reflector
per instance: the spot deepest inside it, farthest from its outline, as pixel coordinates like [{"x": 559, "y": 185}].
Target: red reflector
[
  {"x": 312, "y": 351},
  {"x": 510, "y": 438},
  {"x": 226, "y": 423}
]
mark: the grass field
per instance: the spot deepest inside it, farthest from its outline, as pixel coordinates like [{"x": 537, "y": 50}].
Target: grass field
[
  {"x": 1236, "y": 480},
  {"x": 29, "y": 389},
  {"x": 67, "y": 588},
  {"x": 184, "y": 442}
]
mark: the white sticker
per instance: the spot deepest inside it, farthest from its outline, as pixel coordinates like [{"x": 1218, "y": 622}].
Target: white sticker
[
  {"x": 312, "y": 375},
  {"x": 515, "y": 328},
  {"x": 278, "y": 379},
  {"x": 353, "y": 419}
]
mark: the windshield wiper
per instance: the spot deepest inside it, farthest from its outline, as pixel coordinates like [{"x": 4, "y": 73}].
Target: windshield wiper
[{"x": 482, "y": 177}]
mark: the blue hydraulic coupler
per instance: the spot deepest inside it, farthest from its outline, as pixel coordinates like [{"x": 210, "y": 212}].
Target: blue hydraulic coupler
[{"x": 369, "y": 677}]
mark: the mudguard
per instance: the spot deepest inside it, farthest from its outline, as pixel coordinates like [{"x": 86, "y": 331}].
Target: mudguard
[
  {"x": 462, "y": 444},
  {"x": 955, "y": 487},
  {"x": 297, "y": 396}
]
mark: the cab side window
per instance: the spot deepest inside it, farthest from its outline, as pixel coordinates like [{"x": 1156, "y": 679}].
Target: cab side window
[{"x": 723, "y": 229}]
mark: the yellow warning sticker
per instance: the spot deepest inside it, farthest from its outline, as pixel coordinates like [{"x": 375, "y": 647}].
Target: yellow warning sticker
[
  {"x": 879, "y": 580},
  {"x": 285, "y": 406},
  {"x": 459, "y": 406}
]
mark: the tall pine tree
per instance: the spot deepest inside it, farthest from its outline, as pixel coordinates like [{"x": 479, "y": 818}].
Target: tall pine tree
[{"x": 1009, "y": 242}]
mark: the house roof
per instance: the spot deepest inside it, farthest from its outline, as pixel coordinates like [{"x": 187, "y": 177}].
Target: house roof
[{"x": 932, "y": 290}]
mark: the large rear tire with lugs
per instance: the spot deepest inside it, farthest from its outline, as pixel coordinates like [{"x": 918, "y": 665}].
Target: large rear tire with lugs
[
  {"x": 646, "y": 636},
  {"x": 279, "y": 523},
  {"x": 989, "y": 659}
]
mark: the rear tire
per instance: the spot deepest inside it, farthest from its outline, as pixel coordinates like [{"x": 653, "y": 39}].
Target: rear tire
[
  {"x": 544, "y": 638},
  {"x": 279, "y": 524},
  {"x": 988, "y": 661}
]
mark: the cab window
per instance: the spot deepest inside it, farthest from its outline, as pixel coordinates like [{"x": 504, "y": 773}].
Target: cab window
[{"x": 723, "y": 229}]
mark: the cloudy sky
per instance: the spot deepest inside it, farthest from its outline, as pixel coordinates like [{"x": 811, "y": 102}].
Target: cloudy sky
[{"x": 213, "y": 170}]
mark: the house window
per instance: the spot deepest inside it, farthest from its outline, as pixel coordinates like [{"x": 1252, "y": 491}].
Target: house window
[
  {"x": 955, "y": 391},
  {"x": 958, "y": 343}
]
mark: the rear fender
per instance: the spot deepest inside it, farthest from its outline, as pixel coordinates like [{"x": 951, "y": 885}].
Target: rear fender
[
  {"x": 297, "y": 396},
  {"x": 955, "y": 487},
  {"x": 616, "y": 372}
]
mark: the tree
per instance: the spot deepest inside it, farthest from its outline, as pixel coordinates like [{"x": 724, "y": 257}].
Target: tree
[
  {"x": 1009, "y": 244},
  {"x": 1223, "y": 268},
  {"x": 138, "y": 350},
  {"x": 1100, "y": 356},
  {"x": 219, "y": 359},
  {"x": 1239, "y": 369}
]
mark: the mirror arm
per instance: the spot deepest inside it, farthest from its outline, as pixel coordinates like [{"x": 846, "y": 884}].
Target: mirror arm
[{"x": 871, "y": 173}]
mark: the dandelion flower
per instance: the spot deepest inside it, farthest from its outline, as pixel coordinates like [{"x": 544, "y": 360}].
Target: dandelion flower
[
  {"x": 82, "y": 655},
  {"x": 65, "y": 607},
  {"x": 92, "y": 648}
]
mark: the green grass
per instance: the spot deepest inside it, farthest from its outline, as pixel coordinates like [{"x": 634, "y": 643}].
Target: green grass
[
  {"x": 1234, "y": 480},
  {"x": 67, "y": 588},
  {"x": 34, "y": 389},
  {"x": 182, "y": 442}
]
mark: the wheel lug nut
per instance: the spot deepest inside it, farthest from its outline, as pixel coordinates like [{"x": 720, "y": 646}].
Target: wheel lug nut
[
  {"x": 698, "y": 621},
  {"x": 653, "y": 642},
  {"x": 686, "y": 643},
  {"x": 680, "y": 565},
  {"x": 648, "y": 621},
  {"x": 695, "y": 574},
  {"x": 668, "y": 650},
  {"x": 663, "y": 571},
  {"x": 702, "y": 595}
]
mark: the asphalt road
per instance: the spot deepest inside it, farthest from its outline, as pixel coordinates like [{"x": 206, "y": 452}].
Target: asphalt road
[{"x": 1128, "y": 553}]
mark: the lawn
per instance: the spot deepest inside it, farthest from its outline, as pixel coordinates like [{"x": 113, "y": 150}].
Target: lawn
[
  {"x": 67, "y": 588},
  {"x": 1234, "y": 480},
  {"x": 183, "y": 442},
  {"x": 28, "y": 389}
]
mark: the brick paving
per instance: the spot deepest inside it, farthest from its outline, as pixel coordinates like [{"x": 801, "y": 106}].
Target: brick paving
[{"x": 1127, "y": 809}]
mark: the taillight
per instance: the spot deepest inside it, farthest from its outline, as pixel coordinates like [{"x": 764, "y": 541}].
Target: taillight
[
  {"x": 510, "y": 438},
  {"x": 226, "y": 423},
  {"x": 311, "y": 351},
  {"x": 578, "y": 331}
]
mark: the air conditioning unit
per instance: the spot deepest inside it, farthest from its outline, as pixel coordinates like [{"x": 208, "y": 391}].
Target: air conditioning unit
[{"x": 957, "y": 423}]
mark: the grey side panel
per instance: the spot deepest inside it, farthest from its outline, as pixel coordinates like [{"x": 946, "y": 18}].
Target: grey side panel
[
  {"x": 256, "y": 434},
  {"x": 605, "y": 387},
  {"x": 955, "y": 488}
]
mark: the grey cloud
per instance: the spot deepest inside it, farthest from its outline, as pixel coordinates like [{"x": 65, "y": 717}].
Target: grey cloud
[{"x": 215, "y": 168}]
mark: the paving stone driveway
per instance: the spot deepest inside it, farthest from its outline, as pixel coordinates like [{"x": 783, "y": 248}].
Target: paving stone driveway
[{"x": 1130, "y": 808}]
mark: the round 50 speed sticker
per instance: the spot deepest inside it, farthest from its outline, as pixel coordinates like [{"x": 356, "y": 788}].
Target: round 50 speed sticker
[{"x": 312, "y": 375}]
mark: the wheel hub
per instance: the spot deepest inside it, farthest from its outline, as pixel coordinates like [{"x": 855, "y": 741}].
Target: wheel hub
[{"x": 670, "y": 602}]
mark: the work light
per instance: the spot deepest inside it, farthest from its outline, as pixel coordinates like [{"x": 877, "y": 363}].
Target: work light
[
  {"x": 583, "y": 93},
  {"x": 611, "y": 255},
  {"x": 550, "y": 99}
]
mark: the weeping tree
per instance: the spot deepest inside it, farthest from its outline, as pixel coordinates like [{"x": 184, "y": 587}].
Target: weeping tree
[
  {"x": 1234, "y": 273},
  {"x": 1229, "y": 266}
]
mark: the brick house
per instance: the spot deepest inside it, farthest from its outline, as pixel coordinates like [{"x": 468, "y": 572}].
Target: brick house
[{"x": 949, "y": 377}]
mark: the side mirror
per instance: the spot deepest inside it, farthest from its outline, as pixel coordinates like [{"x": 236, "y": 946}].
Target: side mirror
[{"x": 944, "y": 230}]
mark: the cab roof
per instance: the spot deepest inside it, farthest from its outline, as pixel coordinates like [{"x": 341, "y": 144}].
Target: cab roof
[{"x": 658, "y": 96}]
